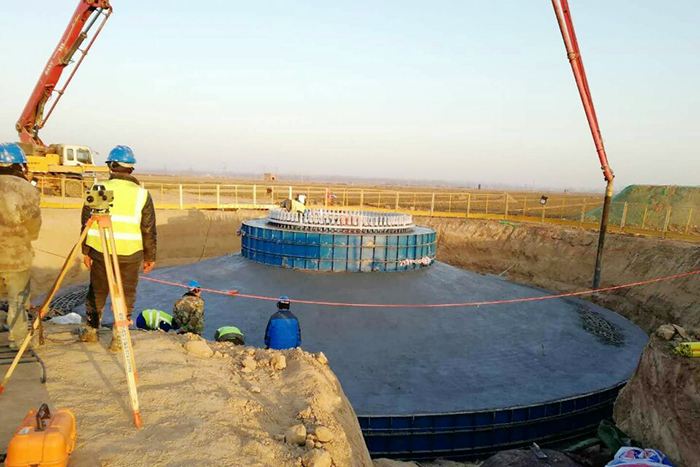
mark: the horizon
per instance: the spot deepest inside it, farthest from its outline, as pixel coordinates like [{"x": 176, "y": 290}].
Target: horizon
[{"x": 459, "y": 93}]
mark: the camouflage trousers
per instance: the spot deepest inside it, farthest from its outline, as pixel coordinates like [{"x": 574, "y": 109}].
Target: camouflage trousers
[
  {"x": 189, "y": 315},
  {"x": 14, "y": 287}
]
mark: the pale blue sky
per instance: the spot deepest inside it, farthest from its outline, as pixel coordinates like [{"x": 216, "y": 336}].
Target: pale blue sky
[{"x": 464, "y": 91}]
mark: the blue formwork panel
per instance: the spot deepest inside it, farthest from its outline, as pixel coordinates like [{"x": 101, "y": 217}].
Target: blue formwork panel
[
  {"x": 471, "y": 435},
  {"x": 338, "y": 251}
]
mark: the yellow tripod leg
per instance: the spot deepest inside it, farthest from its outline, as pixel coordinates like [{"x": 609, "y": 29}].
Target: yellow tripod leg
[
  {"x": 119, "y": 309},
  {"x": 45, "y": 305}
]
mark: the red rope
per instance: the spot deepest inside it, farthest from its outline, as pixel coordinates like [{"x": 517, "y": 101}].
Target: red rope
[{"x": 235, "y": 293}]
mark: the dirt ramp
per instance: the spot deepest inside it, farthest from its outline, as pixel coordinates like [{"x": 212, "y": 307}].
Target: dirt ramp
[{"x": 203, "y": 404}]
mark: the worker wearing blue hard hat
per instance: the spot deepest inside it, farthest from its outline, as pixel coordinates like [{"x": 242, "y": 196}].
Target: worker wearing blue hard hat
[
  {"x": 188, "y": 311},
  {"x": 122, "y": 155},
  {"x": 20, "y": 221},
  {"x": 134, "y": 232},
  {"x": 283, "y": 330}
]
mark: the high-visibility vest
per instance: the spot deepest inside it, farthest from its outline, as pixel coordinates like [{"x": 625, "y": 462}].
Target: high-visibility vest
[
  {"x": 129, "y": 200},
  {"x": 298, "y": 206},
  {"x": 153, "y": 318},
  {"x": 222, "y": 331}
]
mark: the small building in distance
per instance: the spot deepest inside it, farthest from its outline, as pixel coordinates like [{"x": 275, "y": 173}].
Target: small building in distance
[{"x": 269, "y": 177}]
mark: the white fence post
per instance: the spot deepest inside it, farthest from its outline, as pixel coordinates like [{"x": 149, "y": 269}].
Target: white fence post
[
  {"x": 181, "y": 200},
  {"x": 623, "y": 220},
  {"x": 667, "y": 221},
  {"x": 218, "y": 196},
  {"x": 255, "y": 195}
]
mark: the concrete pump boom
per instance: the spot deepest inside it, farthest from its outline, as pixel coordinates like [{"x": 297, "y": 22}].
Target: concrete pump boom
[
  {"x": 566, "y": 25},
  {"x": 84, "y": 18}
]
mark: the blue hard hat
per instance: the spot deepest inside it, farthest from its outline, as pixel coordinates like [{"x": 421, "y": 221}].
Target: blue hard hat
[
  {"x": 193, "y": 285},
  {"x": 122, "y": 155},
  {"x": 283, "y": 302},
  {"x": 11, "y": 153}
]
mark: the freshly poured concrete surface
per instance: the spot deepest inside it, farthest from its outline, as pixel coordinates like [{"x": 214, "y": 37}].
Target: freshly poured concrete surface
[{"x": 399, "y": 361}]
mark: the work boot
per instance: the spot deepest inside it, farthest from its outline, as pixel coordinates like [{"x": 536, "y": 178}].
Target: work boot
[
  {"x": 116, "y": 344},
  {"x": 88, "y": 334}
]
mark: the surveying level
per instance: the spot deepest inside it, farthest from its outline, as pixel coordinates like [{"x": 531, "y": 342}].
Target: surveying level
[{"x": 99, "y": 200}]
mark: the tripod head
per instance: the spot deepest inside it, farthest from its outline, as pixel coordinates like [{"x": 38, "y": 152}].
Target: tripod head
[{"x": 99, "y": 199}]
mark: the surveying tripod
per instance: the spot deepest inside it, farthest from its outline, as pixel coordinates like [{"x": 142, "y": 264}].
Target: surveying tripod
[{"x": 101, "y": 218}]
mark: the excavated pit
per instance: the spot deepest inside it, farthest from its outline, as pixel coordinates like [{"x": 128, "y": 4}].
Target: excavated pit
[{"x": 431, "y": 382}]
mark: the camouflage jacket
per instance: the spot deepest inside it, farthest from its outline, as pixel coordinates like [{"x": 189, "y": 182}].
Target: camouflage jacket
[
  {"x": 20, "y": 221},
  {"x": 189, "y": 314}
]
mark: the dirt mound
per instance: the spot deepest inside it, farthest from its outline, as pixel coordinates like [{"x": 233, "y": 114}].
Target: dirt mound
[
  {"x": 657, "y": 199},
  {"x": 235, "y": 407},
  {"x": 562, "y": 259},
  {"x": 660, "y": 406}
]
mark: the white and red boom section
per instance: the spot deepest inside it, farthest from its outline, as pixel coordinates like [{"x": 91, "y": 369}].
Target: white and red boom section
[{"x": 86, "y": 15}]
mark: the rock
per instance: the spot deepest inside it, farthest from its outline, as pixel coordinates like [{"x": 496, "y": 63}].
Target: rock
[
  {"x": 279, "y": 437},
  {"x": 382, "y": 462},
  {"x": 278, "y": 362},
  {"x": 660, "y": 404},
  {"x": 296, "y": 435},
  {"x": 305, "y": 414},
  {"x": 681, "y": 332},
  {"x": 249, "y": 364},
  {"x": 323, "y": 434},
  {"x": 322, "y": 359},
  {"x": 255, "y": 389},
  {"x": 310, "y": 442},
  {"x": 198, "y": 348},
  {"x": 666, "y": 331},
  {"x": 218, "y": 354},
  {"x": 525, "y": 458},
  {"x": 318, "y": 458}
]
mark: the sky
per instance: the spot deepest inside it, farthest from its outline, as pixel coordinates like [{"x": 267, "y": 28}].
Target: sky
[{"x": 462, "y": 91}]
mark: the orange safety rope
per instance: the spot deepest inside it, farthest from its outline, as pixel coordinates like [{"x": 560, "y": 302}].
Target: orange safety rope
[{"x": 235, "y": 293}]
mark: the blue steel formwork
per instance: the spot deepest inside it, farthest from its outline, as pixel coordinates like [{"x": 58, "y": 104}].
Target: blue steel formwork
[
  {"x": 470, "y": 435},
  {"x": 337, "y": 251}
]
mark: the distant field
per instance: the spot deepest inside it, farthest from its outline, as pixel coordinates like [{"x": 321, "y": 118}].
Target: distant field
[{"x": 645, "y": 210}]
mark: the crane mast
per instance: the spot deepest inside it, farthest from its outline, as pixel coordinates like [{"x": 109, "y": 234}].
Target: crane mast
[{"x": 33, "y": 118}]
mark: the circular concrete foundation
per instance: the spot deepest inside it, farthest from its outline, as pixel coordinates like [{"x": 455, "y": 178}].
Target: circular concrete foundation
[{"x": 451, "y": 382}]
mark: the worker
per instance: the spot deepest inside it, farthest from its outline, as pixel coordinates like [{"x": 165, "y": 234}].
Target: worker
[
  {"x": 283, "y": 331},
  {"x": 135, "y": 236},
  {"x": 153, "y": 320},
  {"x": 230, "y": 334},
  {"x": 297, "y": 204},
  {"x": 20, "y": 221},
  {"x": 189, "y": 310}
]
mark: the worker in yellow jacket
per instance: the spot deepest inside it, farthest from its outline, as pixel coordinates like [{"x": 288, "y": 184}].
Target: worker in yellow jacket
[{"x": 134, "y": 228}]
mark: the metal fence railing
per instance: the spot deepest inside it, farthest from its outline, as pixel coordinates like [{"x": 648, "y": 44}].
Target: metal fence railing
[{"x": 583, "y": 210}]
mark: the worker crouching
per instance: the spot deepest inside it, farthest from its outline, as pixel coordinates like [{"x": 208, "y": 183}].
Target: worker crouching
[
  {"x": 134, "y": 227},
  {"x": 189, "y": 310},
  {"x": 20, "y": 221},
  {"x": 230, "y": 334},
  {"x": 283, "y": 331}
]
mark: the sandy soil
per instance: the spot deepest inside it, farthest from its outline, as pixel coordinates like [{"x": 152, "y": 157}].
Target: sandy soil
[{"x": 230, "y": 409}]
